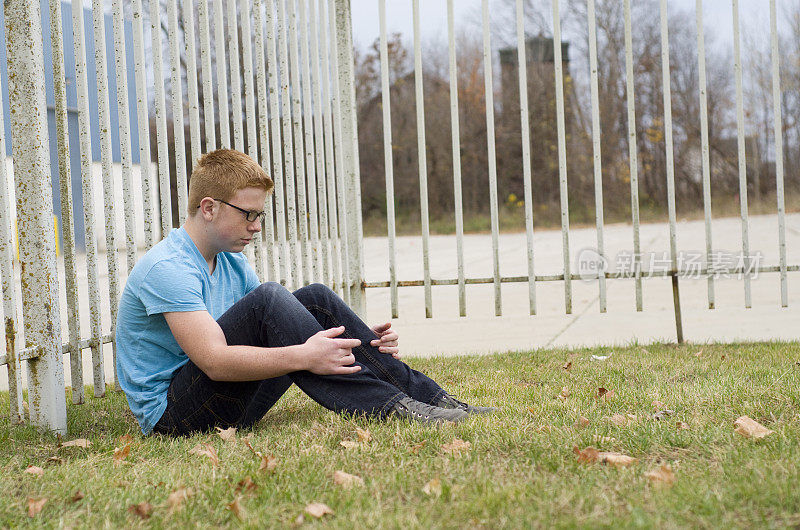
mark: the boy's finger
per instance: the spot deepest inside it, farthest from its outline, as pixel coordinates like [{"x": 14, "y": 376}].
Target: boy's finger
[{"x": 332, "y": 332}]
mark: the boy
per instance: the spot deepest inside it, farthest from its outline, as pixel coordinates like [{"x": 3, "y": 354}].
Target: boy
[{"x": 202, "y": 343}]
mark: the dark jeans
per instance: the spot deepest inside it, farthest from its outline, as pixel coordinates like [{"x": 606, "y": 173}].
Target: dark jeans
[{"x": 271, "y": 316}]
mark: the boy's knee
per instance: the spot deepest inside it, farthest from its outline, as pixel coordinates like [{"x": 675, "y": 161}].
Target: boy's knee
[
  {"x": 267, "y": 289},
  {"x": 314, "y": 291}
]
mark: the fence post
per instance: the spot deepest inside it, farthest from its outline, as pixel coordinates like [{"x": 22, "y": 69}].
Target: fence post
[
  {"x": 34, "y": 213},
  {"x": 352, "y": 175}
]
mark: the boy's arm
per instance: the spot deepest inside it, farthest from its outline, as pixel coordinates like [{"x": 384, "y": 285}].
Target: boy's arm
[{"x": 201, "y": 338}]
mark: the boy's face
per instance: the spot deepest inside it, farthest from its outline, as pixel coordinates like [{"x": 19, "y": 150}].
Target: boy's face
[{"x": 231, "y": 228}]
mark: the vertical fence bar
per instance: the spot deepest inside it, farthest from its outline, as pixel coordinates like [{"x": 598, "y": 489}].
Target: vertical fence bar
[
  {"x": 191, "y": 81},
  {"x": 423, "y": 162},
  {"x": 95, "y": 322},
  {"x": 143, "y": 118},
  {"x": 250, "y": 110},
  {"x": 177, "y": 112},
  {"x": 288, "y": 150},
  {"x": 104, "y": 114},
  {"x": 778, "y": 131},
  {"x": 7, "y": 276},
  {"x": 164, "y": 184},
  {"x": 737, "y": 67},
  {"x": 522, "y": 74},
  {"x": 596, "y": 150},
  {"x": 633, "y": 155},
  {"x": 388, "y": 163},
  {"x": 222, "y": 79},
  {"x": 124, "y": 135},
  {"x": 355, "y": 242},
  {"x": 65, "y": 180},
  {"x": 236, "y": 76},
  {"x": 263, "y": 131},
  {"x": 297, "y": 130},
  {"x": 319, "y": 142},
  {"x": 308, "y": 128},
  {"x": 701, "y": 60},
  {"x": 39, "y": 277},
  {"x": 673, "y": 245},
  {"x": 562, "y": 153},
  {"x": 330, "y": 165},
  {"x": 205, "y": 60},
  {"x": 277, "y": 157},
  {"x": 336, "y": 94}
]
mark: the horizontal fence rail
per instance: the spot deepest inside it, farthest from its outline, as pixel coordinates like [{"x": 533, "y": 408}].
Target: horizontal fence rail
[{"x": 260, "y": 76}]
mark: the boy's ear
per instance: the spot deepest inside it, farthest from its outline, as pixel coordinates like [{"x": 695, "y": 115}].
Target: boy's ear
[{"x": 206, "y": 208}]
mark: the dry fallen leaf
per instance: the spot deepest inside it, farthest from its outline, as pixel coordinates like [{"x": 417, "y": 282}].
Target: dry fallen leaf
[
  {"x": 317, "y": 509},
  {"x": 236, "y": 508},
  {"x": 346, "y": 480},
  {"x": 228, "y": 435},
  {"x": 125, "y": 439},
  {"x": 658, "y": 405},
  {"x": 564, "y": 394},
  {"x": 121, "y": 454},
  {"x": 246, "y": 485},
  {"x": 176, "y": 498},
  {"x": 143, "y": 509},
  {"x": 417, "y": 446},
  {"x": 618, "y": 420},
  {"x": 268, "y": 463},
  {"x": 34, "y": 470},
  {"x": 457, "y": 446},
  {"x": 55, "y": 460},
  {"x": 591, "y": 455},
  {"x": 350, "y": 444},
  {"x": 78, "y": 495},
  {"x": 661, "y": 414},
  {"x": 750, "y": 428},
  {"x": 699, "y": 354},
  {"x": 206, "y": 450},
  {"x": 567, "y": 365},
  {"x": 681, "y": 426},
  {"x": 364, "y": 435},
  {"x": 78, "y": 442},
  {"x": 662, "y": 475},
  {"x": 433, "y": 487},
  {"x": 35, "y": 506},
  {"x": 544, "y": 428},
  {"x": 581, "y": 422}
]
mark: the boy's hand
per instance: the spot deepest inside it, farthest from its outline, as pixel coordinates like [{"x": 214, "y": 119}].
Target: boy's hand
[
  {"x": 387, "y": 343},
  {"x": 327, "y": 355}
]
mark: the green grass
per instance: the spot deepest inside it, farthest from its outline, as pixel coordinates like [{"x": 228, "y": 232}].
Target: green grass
[{"x": 519, "y": 472}]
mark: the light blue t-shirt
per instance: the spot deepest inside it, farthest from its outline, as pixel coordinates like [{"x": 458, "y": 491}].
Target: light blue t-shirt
[{"x": 173, "y": 276}]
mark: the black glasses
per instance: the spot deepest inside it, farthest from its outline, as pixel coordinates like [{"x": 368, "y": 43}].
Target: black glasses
[{"x": 249, "y": 214}]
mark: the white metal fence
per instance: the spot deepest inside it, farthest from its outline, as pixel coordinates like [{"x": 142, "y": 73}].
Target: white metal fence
[{"x": 283, "y": 71}]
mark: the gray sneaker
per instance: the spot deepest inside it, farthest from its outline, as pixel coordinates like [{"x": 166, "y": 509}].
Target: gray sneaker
[
  {"x": 449, "y": 402},
  {"x": 416, "y": 410}
]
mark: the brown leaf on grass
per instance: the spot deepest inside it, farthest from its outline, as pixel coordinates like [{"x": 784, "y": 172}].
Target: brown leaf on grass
[
  {"x": 34, "y": 470},
  {"x": 318, "y": 509},
  {"x": 591, "y": 455},
  {"x": 699, "y": 353},
  {"x": 618, "y": 420},
  {"x": 750, "y": 428},
  {"x": 121, "y": 454},
  {"x": 125, "y": 439},
  {"x": 364, "y": 435},
  {"x": 55, "y": 460},
  {"x": 433, "y": 487},
  {"x": 35, "y": 506},
  {"x": 564, "y": 393},
  {"x": 350, "y": 444},
  {"x": 206, "y": 450},
  {"x": 78, "y": 442},
  {"x": 268, "y": 463},
  {"x": 544, "y": 428},
  {"x": 661, "y": 476},
  {"x": 346, "y": 480},
  {"x": 581, "y": 422},
  {"x": 236, "y": 508},
  {"x": 567, "y": 365},
  {"x": 681, "y": 426},
  {"x": 246, "y": 485},
  {"x": 658, "y": 405},
  {"x": 78, "y": 495},
  {"x": 176, "y": 498},
  {"x": 417, "y": 446},
  {"x": 143, "y": 509},
  {"x": 603, "y": 394},
  {"x": 456, "y": 447},
  {"x": 228, "y": 435}
]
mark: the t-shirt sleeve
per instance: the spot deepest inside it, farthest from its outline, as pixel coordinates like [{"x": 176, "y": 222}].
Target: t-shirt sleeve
[
  {"x": 252, "y": 280},
  {"x": 170, "y": 287}
]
